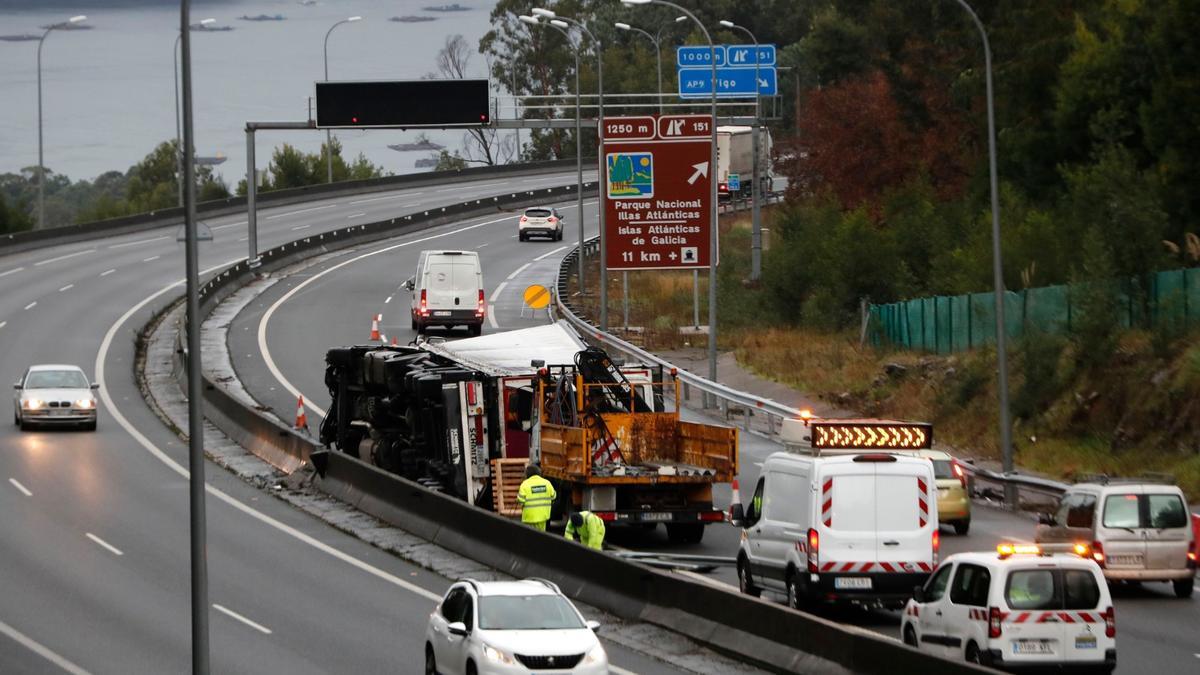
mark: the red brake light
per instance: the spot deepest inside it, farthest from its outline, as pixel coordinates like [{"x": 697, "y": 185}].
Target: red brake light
[
  {"x": 937, "y": 545},
  {"x": 814, "y": 549},
  {"x": 994, "y": 619},
  {"x": 1110, "y": 622},
  {"x": 424, "y": 307},
  {"x": 712, "y": 516},
  {"x": 482, "y": 306},
  {"x": 606, "y": 515},
  {"x": 1098, "y": 553},
  {"x": 471, "y": 393},
  {"x": 875, "y": 457}
]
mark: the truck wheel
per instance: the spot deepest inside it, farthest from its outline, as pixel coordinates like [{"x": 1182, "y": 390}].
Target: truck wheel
[
  {"x": 745, "y": 585},
  {"x": 685, "y": 533},
  {"x": 1184, "y": 587}
]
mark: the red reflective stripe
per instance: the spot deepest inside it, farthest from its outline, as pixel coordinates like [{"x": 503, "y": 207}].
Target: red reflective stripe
[
  {"x": 1044, "y": 616},
  {"x": 827, "y": 506},
  {"x": 848, "y": 567},
  {"x": 867, "y": 566},
  {"x": 921, "y": 485},
  {"x": 1021, "y": 618},
  {"x": 925, "y": 567},
  {"x": 1066, "y": 616},
  {"x": 1087, "y": 618},
  {"x": 887, "y": 567},
  {"x": 827, "y": 566},
  {"x": 828, "y": 485}
]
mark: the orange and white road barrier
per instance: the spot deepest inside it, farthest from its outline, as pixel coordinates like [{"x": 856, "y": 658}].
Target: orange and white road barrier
[
  {"x": 375, "y": 327},
  {"x": 301, "y": 416}
]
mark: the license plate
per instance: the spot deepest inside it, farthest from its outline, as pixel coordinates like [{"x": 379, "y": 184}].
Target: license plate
[
  {"x": 1085, "y": 642},
  {"x": 856, "y": 583},
  {"x": 441, "y": 313},
  {"x": 60, "y": 412},
  {"x": 656, "y": 517},
  {"x": 1032, "y": 647},
  {"x": 1133, "y": 560}
]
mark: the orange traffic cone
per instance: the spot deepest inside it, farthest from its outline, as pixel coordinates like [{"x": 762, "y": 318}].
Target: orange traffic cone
[
  {"x": 395, "y": 341},
  {"x": 301, "y": 417},
  {"x": 375, "y": 327},
  {"x": 735, "y": 504}
]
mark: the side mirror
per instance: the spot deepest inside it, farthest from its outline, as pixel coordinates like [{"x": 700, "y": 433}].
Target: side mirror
[
  {"x": 736, "y": 515},
  {"x": 411, "y": 283},
  {"x": 457, "y": 628},
  {"x": 919, "y": 593},
  {"x": 1045, "y": 519},
  {"x": 17, "y": 385},
  {"x": 592, "y": 625},
  {"x": 95, "y": 386}
]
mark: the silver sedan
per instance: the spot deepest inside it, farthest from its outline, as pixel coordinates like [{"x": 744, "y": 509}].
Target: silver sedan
[{"x": 54, "y": 395}]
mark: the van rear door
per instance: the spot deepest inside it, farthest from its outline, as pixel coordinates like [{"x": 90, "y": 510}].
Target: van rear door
[
  {"x": 1120, "y": 527},
  {"x": 452, "y": 283},
  {"x": 846, "y": 515},
  {"x": 905, "y": 515}
]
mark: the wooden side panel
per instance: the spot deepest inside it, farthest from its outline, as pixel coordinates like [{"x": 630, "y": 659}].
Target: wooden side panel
[
  {"x": 709, "y": 446},
  {"x": 562, "y": 451}
]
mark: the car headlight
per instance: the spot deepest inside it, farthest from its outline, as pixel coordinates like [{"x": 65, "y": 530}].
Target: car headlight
[
  {"x": 596, "y": 655},
  {"x": 32, "y": 403},
  {"x": 498, "y": 656},
  {"x": 85, "y": 403}
]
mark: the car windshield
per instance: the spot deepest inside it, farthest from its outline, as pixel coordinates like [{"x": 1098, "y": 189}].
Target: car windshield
[
  {"x": 942, "y": 469},
  {"x": 527, "y": 612},
  {"x": 56, "y": 379},
  {"x": 537, "y": 213}
]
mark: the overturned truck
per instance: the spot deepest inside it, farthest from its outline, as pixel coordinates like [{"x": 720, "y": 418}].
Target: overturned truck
[{"x": 465, "y": 417}]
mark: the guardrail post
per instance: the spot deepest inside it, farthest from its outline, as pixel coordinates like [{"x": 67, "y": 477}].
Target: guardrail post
[{"x": 251, "y": 196}]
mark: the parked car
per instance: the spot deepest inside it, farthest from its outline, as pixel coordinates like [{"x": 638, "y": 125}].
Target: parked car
[
  {"x": 447, "y": 291},
  {"x": 1017, "y": 608},
  {"x": 483, "y": 627},
  {"x": 540, "y": 221},
  {"x": 1138, "y": 529},
  {"x": 54, "y": 395}
]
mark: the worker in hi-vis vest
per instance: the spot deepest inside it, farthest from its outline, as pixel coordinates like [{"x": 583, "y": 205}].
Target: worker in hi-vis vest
[
  {"x": 535, "y": 497},
  {"x": 588, "y": 527}
]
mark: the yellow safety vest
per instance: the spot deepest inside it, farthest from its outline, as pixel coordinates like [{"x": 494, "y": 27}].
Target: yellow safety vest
[
  {"x": 591, "y": 533},
  {"x": 535, "y": 496}
]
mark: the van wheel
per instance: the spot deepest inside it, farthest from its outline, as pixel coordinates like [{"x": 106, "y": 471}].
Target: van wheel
[
  {"x": 793, "y": 590},
  {"x": 744, "y": 584},
  {"x": 1184, "y": 587},
  {"x": 430, "y": 661},
  {"x": 961, "y": 527},
  {"x": 910, "y": 637},
  {"x": 972, "y": 654}
]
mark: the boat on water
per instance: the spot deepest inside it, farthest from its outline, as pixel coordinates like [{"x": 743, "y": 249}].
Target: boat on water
[
  {"x": 413, "y": 19},
  {"x": 426, "y": 163},
  {"x": 26, "y": 37},
  {"x": 263, "y": 17},
  {"x": 420, "y": 145},
  {"x": 453, "y": 7}
]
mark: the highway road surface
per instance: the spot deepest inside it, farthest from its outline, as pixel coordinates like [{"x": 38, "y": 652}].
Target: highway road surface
[{"x": 279, "y": 341}]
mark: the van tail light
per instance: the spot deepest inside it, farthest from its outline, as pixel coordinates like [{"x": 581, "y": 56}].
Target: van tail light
[
  {"x": 959, "y": 473},
  {"x": 1098, "y": 553},
  {"x": 423, "y": 308},
  {"x": 814, "y": 549},
  {"x": 994, "y": 618},
  {"x": 1191, "y": 558},
  {"x": 1110, "y": 622},
  {"x": 937, "y": 545},
  {"x": 481, "y": 308}
]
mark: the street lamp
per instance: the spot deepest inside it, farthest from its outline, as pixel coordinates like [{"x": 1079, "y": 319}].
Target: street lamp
[
  {"x": 328, "y": 133},
  {"x": 41, "y": 222},
  {"x": 1010, "y": 492},
  {"x": 755, "y": 189},
  {"x": 562, "y": 23},
  {"x": 712, "y": 238},
  {"x": 561, "y": 26},
  {"x": 178, "y": 140}
]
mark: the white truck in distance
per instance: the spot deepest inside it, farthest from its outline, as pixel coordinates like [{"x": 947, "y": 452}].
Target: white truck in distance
[{"x": 735, "y": 155}]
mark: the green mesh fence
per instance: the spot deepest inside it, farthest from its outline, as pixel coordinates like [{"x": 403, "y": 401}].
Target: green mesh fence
[{"x": 943, "y": 324}]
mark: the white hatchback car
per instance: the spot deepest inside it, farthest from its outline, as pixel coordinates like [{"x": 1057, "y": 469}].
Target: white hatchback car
[
  {"x": 1016, "y": 608},
  {"x": 510, "y": 627},
  {"x": 541, "y": 221},
  {"x": 54, "y": 395}
]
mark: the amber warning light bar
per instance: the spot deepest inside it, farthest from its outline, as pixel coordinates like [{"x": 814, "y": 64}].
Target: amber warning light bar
[{"x": 871, "y": 435}]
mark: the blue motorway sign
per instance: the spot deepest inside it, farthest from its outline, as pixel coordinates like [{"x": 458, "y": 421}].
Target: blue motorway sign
[
  {"x": 734, "y": 182},
  {"x": 691, "y": 55},
  {"x": 731, "y": 82},
  {"x": 743, "y": 55}
]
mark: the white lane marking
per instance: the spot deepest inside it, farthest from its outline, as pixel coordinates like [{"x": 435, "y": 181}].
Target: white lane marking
[
  {"x": 139, "y": 242},
  {"x": 119, "y": 418},
  {"x": 151, "y": 258},
  {"x": 547, "y": 255},
  {"x": 41, "y": 650},
  {"x": 481, "y": 246},
  {"x": 496, "y": 293},
  {"x": 111, "y": 549},
  {"x": 230, "y": 613},
  {"x": 12, "y": 271},
  {"x": 222, "y": 227},
  {"x": 619, "y": 671},
  {"x": 380, "y": 199},
  {"x": 389, "y": 299},
  {"x": 63, "y": 257},
  {"x": 17, "y": 484},
  {"x": 302, "y": 227},
  {"x": 244, "y": 239},
  {"x": 3, "y": 324},
  {"x": 66, "y": 288},
  {"x": 356, "y": 215},
  {"x": 292, "y": 213},
  {"x": 31, "y": 305},
  {"x": 520, "y": 269},
  {"x": 266, "y": 317},
  {"x": 492, "y": 319},
  {"x": 107, "y": 272}
]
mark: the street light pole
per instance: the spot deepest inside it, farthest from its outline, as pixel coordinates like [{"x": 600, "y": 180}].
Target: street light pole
[
  {"x": 41, "y": 220},
  {"x": 533, "y": 21},
  {"x": 1010, "y": 492},
  {"x": 538, "y": 11},
  {"x": 756, "y": 190},
  {"x": 713, "y": 235},
  {"x": 199, "y": 549},
  {"x": 328, "y": 133},
  {"x": 178, "y": 136}
]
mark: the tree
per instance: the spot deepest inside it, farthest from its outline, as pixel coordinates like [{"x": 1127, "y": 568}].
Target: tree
[
  {"x": 13, "y": 219},
  {"x": 483, "y": 145}
]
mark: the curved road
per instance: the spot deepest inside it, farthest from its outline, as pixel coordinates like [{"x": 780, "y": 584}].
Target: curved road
[
  {"x": 279, "y": 341},
  {"x": 94, "y": 533}
]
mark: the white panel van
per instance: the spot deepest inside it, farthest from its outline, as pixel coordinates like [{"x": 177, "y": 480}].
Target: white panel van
[{"x": 447, "y": 291}]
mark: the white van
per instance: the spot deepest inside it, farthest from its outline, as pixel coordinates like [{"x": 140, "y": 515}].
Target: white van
[
  {"x": 447, "y": 290},
  {"x": 858, "y": 526}
]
